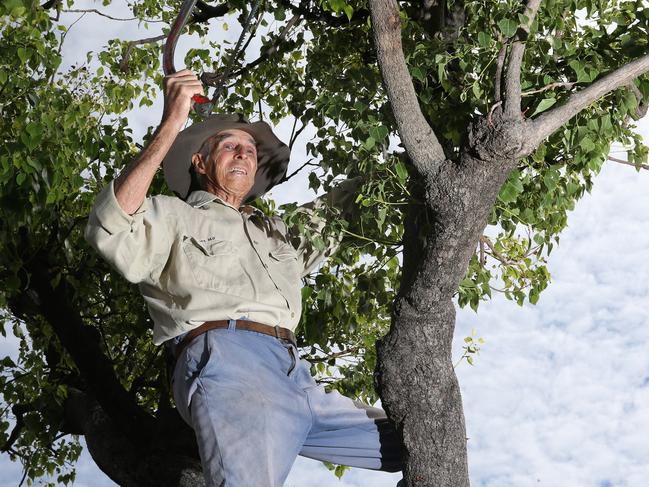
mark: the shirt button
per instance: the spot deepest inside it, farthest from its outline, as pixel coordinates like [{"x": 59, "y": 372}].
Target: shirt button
[{"x": 292, "y": 315}]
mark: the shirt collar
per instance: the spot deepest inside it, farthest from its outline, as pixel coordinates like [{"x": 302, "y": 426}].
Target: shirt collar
[{"x": 199, "y": 199}]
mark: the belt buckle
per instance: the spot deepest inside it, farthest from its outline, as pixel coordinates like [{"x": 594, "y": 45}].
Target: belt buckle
[{"x": 276, "y": 327}]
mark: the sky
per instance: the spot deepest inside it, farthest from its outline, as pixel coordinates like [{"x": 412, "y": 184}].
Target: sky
[{"x": 559, "y": 395}]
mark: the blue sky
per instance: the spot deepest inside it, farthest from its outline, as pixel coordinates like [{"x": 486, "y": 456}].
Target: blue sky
[{"x": 560, "y": 392}]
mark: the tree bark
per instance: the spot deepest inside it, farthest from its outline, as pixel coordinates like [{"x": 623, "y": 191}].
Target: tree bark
[{"x": 170, "y": 458}]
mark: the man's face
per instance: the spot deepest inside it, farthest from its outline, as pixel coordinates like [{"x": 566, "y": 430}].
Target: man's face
[{"x": 228, "y": 161}]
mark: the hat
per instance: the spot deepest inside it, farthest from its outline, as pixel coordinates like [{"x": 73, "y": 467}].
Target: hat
[{"x": 272, "y": 153}]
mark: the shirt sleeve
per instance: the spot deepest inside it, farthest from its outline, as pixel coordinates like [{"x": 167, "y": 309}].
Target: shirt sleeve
[
  {"x": 342, "y": 198},
  {"x": 137, "y": 245}
]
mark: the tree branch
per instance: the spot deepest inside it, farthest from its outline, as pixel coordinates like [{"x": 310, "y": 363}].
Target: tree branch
[
  {"x": 551, "y": 86},
  {"x": 500, "y": 63},
  {"x": 548, "y": 122},
  {"x": 207, "y": 12},
  {"x": 322, "y": 16},
  {"x": 82, "y": 342},
  {"x": 277, "y": 45},
  {"x": 632, "y": 164},
  {"x": 123, "y": 64},
  {"x": 416, "y": 134},
  {"x": 95, "y": 11},
  {"x": 513, "y": 73},
  {"x": 19, "y": 411}
]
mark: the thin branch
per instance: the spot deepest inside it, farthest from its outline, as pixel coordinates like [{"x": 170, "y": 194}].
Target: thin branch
[
  {"x": 322, "y": 16},
  {"x": 628, "y": 163},
  {"x": 551, "y": 86},
  {"x": 307, "y": 163},
  {"x": 19, "y": 411},
  {"x": 500, "y": 63},
  {"x": 123, "y": 64},
  {"x": 342, "y": 353},
  {"x": 277, "y": 45},
  {"x": 296, "y": 134},
  {"x": 513, "y": 71},
  {"x": 548, "y": 122},
  {"x": 417, "y": 136},
  {"x": 95, "y": 11}
]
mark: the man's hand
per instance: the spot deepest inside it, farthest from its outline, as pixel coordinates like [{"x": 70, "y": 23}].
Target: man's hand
[
  {"x": 178, "y": 90},
  {"x": 132, "y": 184}
]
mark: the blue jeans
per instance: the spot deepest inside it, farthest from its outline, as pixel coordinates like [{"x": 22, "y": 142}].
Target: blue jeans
[{"x": 254, "y": 407}]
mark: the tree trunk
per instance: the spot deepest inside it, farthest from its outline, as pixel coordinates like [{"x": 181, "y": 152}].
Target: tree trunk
[{"x": 417, "y": 381}]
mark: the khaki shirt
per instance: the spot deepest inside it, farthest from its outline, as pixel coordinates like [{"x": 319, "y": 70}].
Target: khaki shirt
[{"x": 202, "y": 259}]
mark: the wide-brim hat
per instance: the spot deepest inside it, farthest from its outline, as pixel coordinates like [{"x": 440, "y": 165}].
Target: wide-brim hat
[{"x": 272, "y": 154}]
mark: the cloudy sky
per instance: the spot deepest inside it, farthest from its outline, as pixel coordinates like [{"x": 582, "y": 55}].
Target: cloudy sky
[{"x": 559, "y": 395}]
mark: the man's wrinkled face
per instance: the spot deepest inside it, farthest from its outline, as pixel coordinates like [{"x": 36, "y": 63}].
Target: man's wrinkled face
[{"x": 228, "y": 163}]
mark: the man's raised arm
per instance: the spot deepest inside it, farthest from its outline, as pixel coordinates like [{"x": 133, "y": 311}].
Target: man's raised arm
[
  {"x": 131, "y": 232},
  {"x": 132, "y": 185}
]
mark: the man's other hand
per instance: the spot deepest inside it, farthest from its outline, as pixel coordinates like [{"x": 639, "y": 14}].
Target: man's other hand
[{"x": 178, "y": 91}]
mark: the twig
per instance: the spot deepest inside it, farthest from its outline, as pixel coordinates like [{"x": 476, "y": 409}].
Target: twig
[
  {"x": 123, "y": 64},
  {"x": 295, "y": 135},
  {"x": 628, "y": 163},
  {"x": 95, "y": 11},
  {"x": 491, "y": 112},
  {"x": 482, "y": 256},
  {"x": 307, "y": 163},
  {"x": 269, "y": 51},
  {"x": 551, "y": 86}
]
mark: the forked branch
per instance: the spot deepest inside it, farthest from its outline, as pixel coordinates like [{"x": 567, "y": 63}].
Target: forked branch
[{"x": 416, "y": 134}]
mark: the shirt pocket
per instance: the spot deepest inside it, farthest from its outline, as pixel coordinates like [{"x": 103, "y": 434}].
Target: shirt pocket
[
  {"x": 214, "y": 264},
  {"x": 285, "y": 260}
]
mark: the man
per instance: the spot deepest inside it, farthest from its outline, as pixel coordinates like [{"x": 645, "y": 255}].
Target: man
[{"x": 222, "y": 284}]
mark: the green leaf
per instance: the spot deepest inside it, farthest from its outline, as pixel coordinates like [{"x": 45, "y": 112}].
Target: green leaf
[
  {"x": 508, "y": 27},
  {"x": 23, "y": 54},
  {"x": 484, "y": 39},
  {"x": 349, "y": 11},
  {"x": 402, "y": 171},
  {"x": 544, "y": 105},
  {"x": 417, "y": 73}
]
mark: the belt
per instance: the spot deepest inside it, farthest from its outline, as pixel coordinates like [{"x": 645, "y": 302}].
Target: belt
[{"x": 275, "y": 331}]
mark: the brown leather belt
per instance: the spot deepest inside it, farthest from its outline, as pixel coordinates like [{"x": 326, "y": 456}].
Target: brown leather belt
[{"x": 275, "y": 331}]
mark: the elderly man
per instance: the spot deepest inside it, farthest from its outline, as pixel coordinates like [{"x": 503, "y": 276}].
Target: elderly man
[{"x": 222, "y": 285}]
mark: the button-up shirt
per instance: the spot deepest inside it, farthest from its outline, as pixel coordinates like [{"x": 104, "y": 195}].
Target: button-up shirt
[{"x": 201, "y": 259}]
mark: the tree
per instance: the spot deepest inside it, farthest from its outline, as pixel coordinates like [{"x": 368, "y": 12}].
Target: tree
[{"x": 505, "y": 112}]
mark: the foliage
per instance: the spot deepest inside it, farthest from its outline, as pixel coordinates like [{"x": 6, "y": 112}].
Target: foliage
[{"x": 65, "y": 136}]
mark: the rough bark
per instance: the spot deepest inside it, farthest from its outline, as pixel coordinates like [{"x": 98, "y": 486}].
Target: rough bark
[{"x": 416, "y": 378}]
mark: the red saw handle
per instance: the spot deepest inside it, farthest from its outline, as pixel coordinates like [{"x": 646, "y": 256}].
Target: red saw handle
[{"x": 201, "y": 99}]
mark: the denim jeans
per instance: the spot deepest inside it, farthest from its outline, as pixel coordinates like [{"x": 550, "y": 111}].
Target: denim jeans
[{"x": 254, "y": 407}]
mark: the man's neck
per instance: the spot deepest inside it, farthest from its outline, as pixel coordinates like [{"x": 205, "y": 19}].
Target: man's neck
[{"x": 229, "y": 198}]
